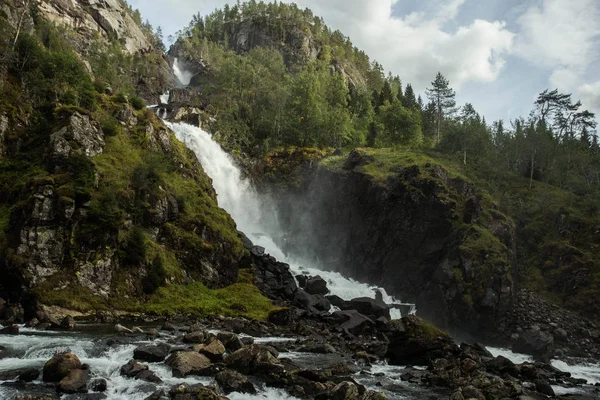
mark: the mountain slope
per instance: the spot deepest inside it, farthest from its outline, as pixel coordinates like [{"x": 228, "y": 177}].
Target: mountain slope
[{"x": 102, "y": 208}]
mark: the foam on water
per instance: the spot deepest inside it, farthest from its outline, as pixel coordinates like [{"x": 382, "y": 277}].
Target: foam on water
[
  {"x": 514, "y": 357},
  {"x": 267, "y": 393},
  {"x": 248, "y": 209},
  {"x": 589, "y": 372}
]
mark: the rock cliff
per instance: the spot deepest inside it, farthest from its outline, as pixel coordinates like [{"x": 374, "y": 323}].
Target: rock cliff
[
  {"x": 414, "y": 228},
  {"x": 110, "y": 19}
]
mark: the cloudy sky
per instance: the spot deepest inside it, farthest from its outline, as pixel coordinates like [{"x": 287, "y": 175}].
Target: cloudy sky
[{"x": 497, "y": 54}]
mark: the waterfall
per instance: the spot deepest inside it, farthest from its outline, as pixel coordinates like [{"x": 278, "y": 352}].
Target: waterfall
[
  {"x": 256, "y": 218},
  {"x": 182, "y": 75}
]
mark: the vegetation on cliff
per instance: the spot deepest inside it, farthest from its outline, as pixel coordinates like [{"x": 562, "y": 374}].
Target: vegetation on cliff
[{"x": 101, "y": 207}]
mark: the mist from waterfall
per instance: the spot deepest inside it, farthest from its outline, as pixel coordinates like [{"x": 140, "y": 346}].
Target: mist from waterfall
[
  {"x": 184, "y": 76},
  {"x": 255, "y": 216}
]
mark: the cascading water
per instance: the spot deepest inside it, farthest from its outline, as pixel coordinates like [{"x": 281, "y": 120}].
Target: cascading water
[
  {"x": 253, "y": 217},
  {"x": 182, "y": 74}
]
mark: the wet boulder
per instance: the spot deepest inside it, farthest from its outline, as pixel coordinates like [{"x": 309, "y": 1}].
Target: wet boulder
[
  {"x": 133, "y": 368},
  {"x": 168, "y": 326},
  {"x": 195, "y": 337},
  {"x": 414, "y": 341},
  {"x": 354, "y": 322},
  {"x": 10, "y": 330},
  {"x": 282, "y": 317},
  {"x": 59, "y": 366},
  {"x": 232, "y": 381},
  {"x": 368, "y": 306},
  {"x": 184, "y": 363},
  {"x": 148, "y": 376},
  {"x": 253, "y": 359},
  {"x": 316, "y": 285},
  {"x": 303, "y": 299},
  {"x": 75, "y": 382},
  {"x": 322, "y": 304},
  {"x": 99, "y": 385},
  {"x": 68, "y": 323},
  {"x": 29, "y": 375},
  {"x": 342, "y": 391},
  {"x": 214, "y": 350},
  {"x": 189, "y": 392},
  {"x": 537, "y": 343},
  {"x": 230, "y": 340},
  {"x": 337, "y": 301},
  {"x": 544, "y": 388},
  {"x": 151, "y": 352}
]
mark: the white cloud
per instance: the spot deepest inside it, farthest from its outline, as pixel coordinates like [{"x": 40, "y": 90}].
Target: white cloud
[
  {"x": 590, "y": 96},
  {"x": 560, "y": 32},
  {"x": 564, "y": 37},
  {"x": 416, "y": 46}
]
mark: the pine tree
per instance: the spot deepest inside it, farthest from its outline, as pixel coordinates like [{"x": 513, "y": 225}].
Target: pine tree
[
  {"x": 409, "y": 97},
  {"x": 443, "y": 96}
]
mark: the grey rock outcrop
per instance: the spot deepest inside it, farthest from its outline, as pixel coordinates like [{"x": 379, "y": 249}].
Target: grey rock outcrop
[
  {"x": 81, "y": 136},
  {"x": 106, "y": 18}
]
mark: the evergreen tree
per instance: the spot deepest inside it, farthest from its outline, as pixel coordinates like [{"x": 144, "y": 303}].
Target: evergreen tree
[
  {"x": 409, "y": 97},
  {"x": 443, "y": 96}
]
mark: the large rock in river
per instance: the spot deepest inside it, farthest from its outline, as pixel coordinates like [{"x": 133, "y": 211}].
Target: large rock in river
[
  {"x": 59, "y": 366},
  {"x": 186, "y": 363},
  {"x": 537, "y": 343},
  {"x": 414, "y": 341}
]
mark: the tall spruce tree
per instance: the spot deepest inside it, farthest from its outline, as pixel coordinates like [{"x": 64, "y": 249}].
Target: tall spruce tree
[{"x": 444, "y": 98}]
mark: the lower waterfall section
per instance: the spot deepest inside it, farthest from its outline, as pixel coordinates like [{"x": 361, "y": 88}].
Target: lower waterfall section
[{"x": 256, "y": 217}]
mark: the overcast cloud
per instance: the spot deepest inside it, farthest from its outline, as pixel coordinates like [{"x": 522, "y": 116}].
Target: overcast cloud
[{"x": 497, "y": 54}]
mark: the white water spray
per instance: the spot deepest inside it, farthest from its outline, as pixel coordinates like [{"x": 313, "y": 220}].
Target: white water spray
[
  {"x": 253, "y": 217},
  {"x": 182, "y": 75}
]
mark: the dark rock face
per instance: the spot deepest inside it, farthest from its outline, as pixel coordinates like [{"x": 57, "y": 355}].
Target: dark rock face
[{"x": 406, "y": 235}]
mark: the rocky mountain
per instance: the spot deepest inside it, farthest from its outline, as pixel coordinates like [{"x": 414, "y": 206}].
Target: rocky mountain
[{"x": 101, "y": 205}]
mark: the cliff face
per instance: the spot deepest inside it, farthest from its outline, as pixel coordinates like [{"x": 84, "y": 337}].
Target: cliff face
[
  {"x": 101, "y": 207},
  {"x": 419, "y": 232},
  {"x": 113, "y": 217}
]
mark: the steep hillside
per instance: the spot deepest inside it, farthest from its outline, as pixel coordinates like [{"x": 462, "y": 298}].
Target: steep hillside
[{"x": 101, "y": 208}]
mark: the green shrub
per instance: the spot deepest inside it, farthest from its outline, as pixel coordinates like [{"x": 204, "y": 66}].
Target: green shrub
[
  {"x": 120, "y": 98},
  {"x": 109, "y": 126},
  {"x": 133, "y": 251},
  {"x": 137, "y": 103},
  {"x": 83, "y": 172},
  {"x": 156, "y": 276}
]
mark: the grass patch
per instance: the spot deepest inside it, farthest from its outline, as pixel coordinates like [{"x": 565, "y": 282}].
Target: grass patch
[
  {"x": 388, "y": 160},
  {"x": 240, "y": 299}
]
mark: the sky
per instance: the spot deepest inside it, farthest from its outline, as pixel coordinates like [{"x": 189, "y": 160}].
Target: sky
[{"x": 497, "y": 54}]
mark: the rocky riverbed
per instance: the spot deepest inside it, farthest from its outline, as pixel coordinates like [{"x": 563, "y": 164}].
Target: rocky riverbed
[{"x": 316, "y": 346}]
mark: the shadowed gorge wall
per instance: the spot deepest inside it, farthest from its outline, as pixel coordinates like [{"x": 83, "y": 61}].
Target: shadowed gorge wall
[{"x": 421, "y": 234}]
